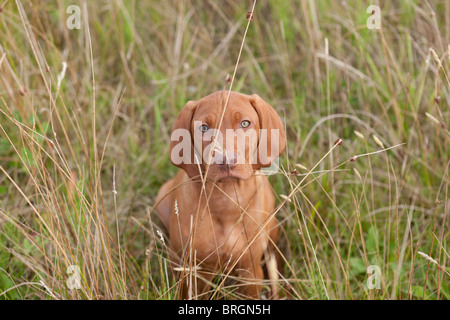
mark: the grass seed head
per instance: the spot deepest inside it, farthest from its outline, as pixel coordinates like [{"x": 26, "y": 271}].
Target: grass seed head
[
  {"x": 377, "y": 141},
  {"x": 357, "y": 173},
  {"x": 436, "y": 58},
  {"x": 432, "y": 118},
  {"x": 285, "y": 198},
  {"x": 358, "y": 134},
  {"x": 300, "y": 166}
]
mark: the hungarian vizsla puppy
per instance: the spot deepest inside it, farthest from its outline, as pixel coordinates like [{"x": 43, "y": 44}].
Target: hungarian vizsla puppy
[{"x": 217, "y": 209}]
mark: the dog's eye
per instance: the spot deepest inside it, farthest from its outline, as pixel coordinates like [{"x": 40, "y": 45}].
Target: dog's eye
[
  {"x": 245, "y": 124},
  {"x": 204, "y": 128}
]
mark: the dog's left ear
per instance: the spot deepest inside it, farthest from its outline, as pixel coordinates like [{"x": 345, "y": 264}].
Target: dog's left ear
[{"x": 268, "y": 120}]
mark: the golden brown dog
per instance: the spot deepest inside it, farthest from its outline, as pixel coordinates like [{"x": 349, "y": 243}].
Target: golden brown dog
[{"x": 217, "y": 208}]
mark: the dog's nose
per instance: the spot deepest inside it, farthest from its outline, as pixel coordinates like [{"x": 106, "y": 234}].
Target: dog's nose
[{"x": 229, "y": 161}]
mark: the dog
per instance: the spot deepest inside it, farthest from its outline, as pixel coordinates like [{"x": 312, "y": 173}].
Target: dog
[{"x": 218, "y": 208}]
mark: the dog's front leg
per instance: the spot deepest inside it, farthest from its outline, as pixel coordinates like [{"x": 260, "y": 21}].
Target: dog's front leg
[
  {"x": 251, "y": 279},
  {"x": 195, "y": 285}
]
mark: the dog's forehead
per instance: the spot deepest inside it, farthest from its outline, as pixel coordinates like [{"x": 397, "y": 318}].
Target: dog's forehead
[{"x": 214, "y": 103}]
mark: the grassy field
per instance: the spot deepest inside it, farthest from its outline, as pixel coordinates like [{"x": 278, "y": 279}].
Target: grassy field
[{"x": 85, "y": 119}]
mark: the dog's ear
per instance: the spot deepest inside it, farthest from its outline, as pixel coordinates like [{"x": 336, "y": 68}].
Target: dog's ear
[
  {"x": 272, "y": 142},
  {"x": 182, "y": 143}
]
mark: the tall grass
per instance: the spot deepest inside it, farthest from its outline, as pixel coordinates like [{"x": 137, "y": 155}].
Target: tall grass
[{"x": 84, "y": 149}]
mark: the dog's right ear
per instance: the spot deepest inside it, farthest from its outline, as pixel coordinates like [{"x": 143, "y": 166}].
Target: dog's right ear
[{"x": 182, "y": 143}]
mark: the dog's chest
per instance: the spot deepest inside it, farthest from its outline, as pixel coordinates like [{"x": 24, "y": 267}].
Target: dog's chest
[
  {"x": 225, "y": 227},
  {"x": 226, "y": 242}
]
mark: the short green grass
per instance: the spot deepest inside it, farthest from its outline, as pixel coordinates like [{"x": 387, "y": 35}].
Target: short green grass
[{"x": 74, "y": 191}]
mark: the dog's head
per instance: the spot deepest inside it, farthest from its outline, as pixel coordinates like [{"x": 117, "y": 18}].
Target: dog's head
[{"x": 249, "y": 135}]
